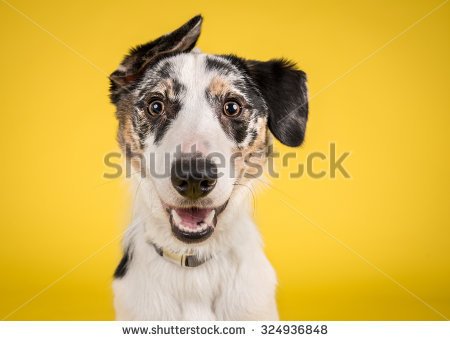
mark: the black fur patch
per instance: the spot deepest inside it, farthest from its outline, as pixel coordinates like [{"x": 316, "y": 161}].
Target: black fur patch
[
  {"x": 221, "y": 66},
  {"x": 124, "y": 263},
  {"x": 165, "y": 70},
  {"x": 160, "y": 125},
  {"x": 284, "y": 90},
  {"x": 253, "y": 135}
]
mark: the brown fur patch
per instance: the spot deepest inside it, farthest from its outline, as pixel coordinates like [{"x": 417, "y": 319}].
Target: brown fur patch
[
  {"x": 254, "y": 156},
  {"x": 218, "y": 87},
  {"x": 166, "y": 87},
  {"x": 127, "y": 136}
]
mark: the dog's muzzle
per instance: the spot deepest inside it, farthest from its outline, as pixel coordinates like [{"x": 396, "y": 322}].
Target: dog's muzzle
[{"x": 193, "y": 177}]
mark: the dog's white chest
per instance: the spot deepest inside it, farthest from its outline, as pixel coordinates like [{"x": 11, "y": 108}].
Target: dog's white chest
[{"x": 224, "y": 288}]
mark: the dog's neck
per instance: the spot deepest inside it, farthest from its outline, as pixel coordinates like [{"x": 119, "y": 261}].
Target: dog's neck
[{"x": 151, "y": 225}]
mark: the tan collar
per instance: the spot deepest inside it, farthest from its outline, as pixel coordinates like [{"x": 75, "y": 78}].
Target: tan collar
[{"x": 184, "y": 260}]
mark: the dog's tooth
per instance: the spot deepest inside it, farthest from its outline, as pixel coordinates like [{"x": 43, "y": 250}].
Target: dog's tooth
[
  {"x": 210, "y": 217},
  {"x": 199, "y": 227},
  {"x": 176, "y": 218}
]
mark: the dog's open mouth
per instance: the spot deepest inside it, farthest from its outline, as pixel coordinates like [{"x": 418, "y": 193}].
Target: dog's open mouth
[{"x": 193, "y": 224}]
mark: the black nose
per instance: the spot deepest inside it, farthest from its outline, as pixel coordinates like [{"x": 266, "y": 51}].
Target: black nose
[{"x": 193, "y": 177}]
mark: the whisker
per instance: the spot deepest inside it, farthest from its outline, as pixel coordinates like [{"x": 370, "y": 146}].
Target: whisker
[{"x": 252, "y": 193}]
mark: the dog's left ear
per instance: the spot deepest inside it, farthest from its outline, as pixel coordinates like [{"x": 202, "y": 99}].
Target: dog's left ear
[
  {"x": 283, "y": 88},
  {"x": 141, "y": 57}
]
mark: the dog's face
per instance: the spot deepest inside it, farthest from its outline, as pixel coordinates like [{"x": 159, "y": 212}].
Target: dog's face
[{"x": 195, "y": 126}]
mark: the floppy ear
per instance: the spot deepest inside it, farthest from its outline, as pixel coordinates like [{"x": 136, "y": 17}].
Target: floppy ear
[
  {"x": 141, "y": 57},
  {"x": 283, "y": 88}
]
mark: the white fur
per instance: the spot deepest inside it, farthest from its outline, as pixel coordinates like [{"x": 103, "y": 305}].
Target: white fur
[{"x": 238, "y": 282}]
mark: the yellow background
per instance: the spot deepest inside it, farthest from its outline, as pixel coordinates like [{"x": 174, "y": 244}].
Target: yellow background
[{"x": 376, "y": 246}]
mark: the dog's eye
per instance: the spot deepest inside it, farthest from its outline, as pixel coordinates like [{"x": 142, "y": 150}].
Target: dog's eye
[
  {"x": 232, "y": 108},
  {"x": 156, "y": 107}
]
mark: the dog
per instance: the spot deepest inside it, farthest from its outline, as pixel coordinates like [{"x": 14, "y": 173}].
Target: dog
[{"x": 192, "y": 251}]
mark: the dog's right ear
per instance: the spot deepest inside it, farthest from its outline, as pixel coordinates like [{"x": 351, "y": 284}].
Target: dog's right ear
[{"x": 141, "y": 57}]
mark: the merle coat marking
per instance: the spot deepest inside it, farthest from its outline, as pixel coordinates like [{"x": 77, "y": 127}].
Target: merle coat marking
[{"x": 172, "y": 99}]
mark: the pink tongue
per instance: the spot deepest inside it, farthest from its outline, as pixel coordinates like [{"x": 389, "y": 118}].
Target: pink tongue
[{"x": 190, "y": 217}]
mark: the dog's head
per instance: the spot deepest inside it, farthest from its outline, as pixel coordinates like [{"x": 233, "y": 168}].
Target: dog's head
[{"x": 189, "y": 122}]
